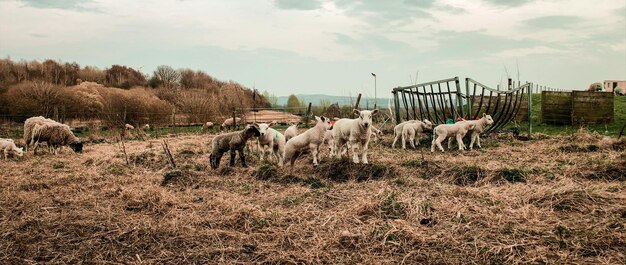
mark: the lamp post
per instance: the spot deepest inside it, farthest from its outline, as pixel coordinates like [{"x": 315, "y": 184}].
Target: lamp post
[{"x": 375, "y": 97}]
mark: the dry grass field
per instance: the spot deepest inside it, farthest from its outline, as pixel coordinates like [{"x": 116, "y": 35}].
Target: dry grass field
[{"x": 559, "y": 199}]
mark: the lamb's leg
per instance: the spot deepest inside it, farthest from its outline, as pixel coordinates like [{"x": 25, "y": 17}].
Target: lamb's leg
[
  {"x": 279, "y": 157},
  {"x": 242, "y": 156},
  {"x": 364, "y": 153},
  {"x": 395, "y": 139},
  {"x": 412, "y": 140},
  {"x": 473, "y": 139},
  {"x": 478, "y": 140},
  {"x": 440, "y": 139},
  {"x": 261, "y": 152},
  {"x": 403, "y": 141},
  {"x": 232, "y": 157},
  {"x": 6, "y": 154},
  {"x": 314, "y": 152},
  {"x": 355, "y": 145},
  {"x": 450, "y": 141},
  {"x": 459, "y": 141},
  {"x": 339, "y": 147},
  {"x": 432, "y": 145}
]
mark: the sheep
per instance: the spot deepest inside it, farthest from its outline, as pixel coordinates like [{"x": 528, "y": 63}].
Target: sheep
[
  {"x": 328, "y": 139},
  {"x": 411, "y": 129},
  {"x": 129, "y": 127},
  {"x": 376, "y": 132},
  {"x": 443, "y": 131},
  {"x": 479, "y": 127},
  {"x": 595, "y": 87},
  {"x": 271, "y": 139},
  {"x": 311, "y": 138},
  {"x": 397, "y": 131},
  {"x": 233, "y": 141},
  {"x": 7, "y": 146},
  {"x": 146, "y": 127},
  {"x": 291, "y": 132},
  {"x": 56, "y": 135},
  {"x": 230, "y": 123},
  {"x": 207, "y": 126},
  {"x": 356, "y": 133},
  {"x": 29, "y": 125}
]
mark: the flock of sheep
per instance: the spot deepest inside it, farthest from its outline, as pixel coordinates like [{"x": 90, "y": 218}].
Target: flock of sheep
[
  {"x": 340, "y": 135},
  {"x": 38, "y": 130}
]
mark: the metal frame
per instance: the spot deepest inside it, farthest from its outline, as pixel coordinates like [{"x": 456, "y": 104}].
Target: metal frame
[{"x": 430, "y": 101}]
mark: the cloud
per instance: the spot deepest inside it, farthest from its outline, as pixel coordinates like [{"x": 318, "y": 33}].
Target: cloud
[
  {"x": 38, "y": 35},
  {"x": 553, "y": 22},
  {"x": 298, "y": 4},
  {"x": 79, "y": 5},
  {"x": 375, "y": 12}
]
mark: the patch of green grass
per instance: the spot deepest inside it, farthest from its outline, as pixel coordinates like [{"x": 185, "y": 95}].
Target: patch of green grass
[
  {"x": 392, "y": 208},
  {"x": 512, "y": 174},
  {"x": 58, "y": 165}
]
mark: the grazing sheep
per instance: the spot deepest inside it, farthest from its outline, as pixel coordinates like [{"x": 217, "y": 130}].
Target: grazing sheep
[
  {"x": 29, "y": 126},
  {"x": 7, "y": 146},
  {"x": 129, "y": 127},
  {"x": 414, "y": 128},
  {"x": 146, "y": 127},
  {"x": 291, "y": 132},
  {"x": 311, "y": 138},
  {"x": 230, "y": 123},
  {"x": 356, "y": 133},
  {"x": 207, "y": 126},
  {"x": 479, "y": 127},
  {"x": 443, "y": 131},
  {"x": 376, "y": 132},
  {"x": 56, "y": 135},
  {"x": 272, "y": 141},
  {"x": 233, "y": 141},
  {"x": 595, "y": 87},
  {"x": 397, "y": 131}
]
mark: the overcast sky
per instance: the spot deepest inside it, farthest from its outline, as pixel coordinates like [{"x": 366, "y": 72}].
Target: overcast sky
[{"x": 330, "y": 46}]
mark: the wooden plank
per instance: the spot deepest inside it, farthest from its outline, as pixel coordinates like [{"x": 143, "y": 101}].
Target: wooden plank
[{"x": 592, "y": 107}]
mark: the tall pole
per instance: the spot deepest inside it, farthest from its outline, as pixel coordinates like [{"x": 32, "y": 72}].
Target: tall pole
[{"x": 375, "y": 94}]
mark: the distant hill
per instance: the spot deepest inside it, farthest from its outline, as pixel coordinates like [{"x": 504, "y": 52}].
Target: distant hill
[{"x": 342, "y": 100}]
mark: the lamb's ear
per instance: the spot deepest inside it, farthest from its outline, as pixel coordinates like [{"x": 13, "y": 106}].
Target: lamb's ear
[
  {"x": 484, "y": 114},
  {"x": 271, "y": 124},
  {"x": 356, "y": 111},
  {"x": 255, "y": 125},
  {"x": 317, "y": 118},
  {"x": 374, "y": 111},
  {"x": 323, "y": 118},
  {"x": 335, "y": 119}
]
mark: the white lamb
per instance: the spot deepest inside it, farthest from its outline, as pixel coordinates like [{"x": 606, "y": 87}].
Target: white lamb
[
  {"x": 129, "y": 127},
  {"x": 311, "y": 138},
  {"x": 355, "y": 132},
  {"x": 479, "y": 127},
  {"x": 414, "y": 128},
  {"x": 443, "y": 131},
  {"x": 271, "y": 141},
  {"x": 7, "y": 146},
  {"x": 291, "y": 132},
  {"x": 397, "y": 131},
  {"x": 328, "y": 139},
  {"x": 376, "y": 132},
  {"x": 230, "y": 123}
]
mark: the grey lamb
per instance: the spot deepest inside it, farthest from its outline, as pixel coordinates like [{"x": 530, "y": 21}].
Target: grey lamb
[{"x": 233, "y": 141}]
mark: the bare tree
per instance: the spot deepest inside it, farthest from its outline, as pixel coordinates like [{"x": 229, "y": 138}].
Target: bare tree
[{"x": 167, "y": 76}]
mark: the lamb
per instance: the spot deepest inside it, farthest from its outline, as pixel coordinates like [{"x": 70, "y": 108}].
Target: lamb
[
  {"x": 376, "y": 132},
  {"x": 328, "y": 139},
  {"x": 595, "y": 87},
  {"x": 56, "y": 135},
  {"x": 271, "y": 139},
  {"x": 397, "y": 131},
  {"x": 233, "y": 141},
  {"x": 291, "y": 132},
  {"x": 129, "y": 127},
  {"x": 311, "y": 138},
  {"x": 479, "y": 127},
  {"x": 207, "y": 126},
  {"x": 230, "y": 123},
  {"x": 146, "y": 127},
  {"x": 355, "y": 132},
  {"x": 443, "y": 131},
  {"x": 414, "y": 128},
  {"x": 7, "y": 146}
]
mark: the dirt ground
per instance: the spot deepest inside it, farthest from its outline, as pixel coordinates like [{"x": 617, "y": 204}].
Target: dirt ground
[{"x": 548, "y": 200}]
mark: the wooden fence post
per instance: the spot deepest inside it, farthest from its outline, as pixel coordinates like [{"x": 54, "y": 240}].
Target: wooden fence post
[
  {"x": 174, "y": 120},
  {"x": 307, "y": 115},
  {"x": 356, "y": 106},
  {"x": 235, "y": 119}
]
